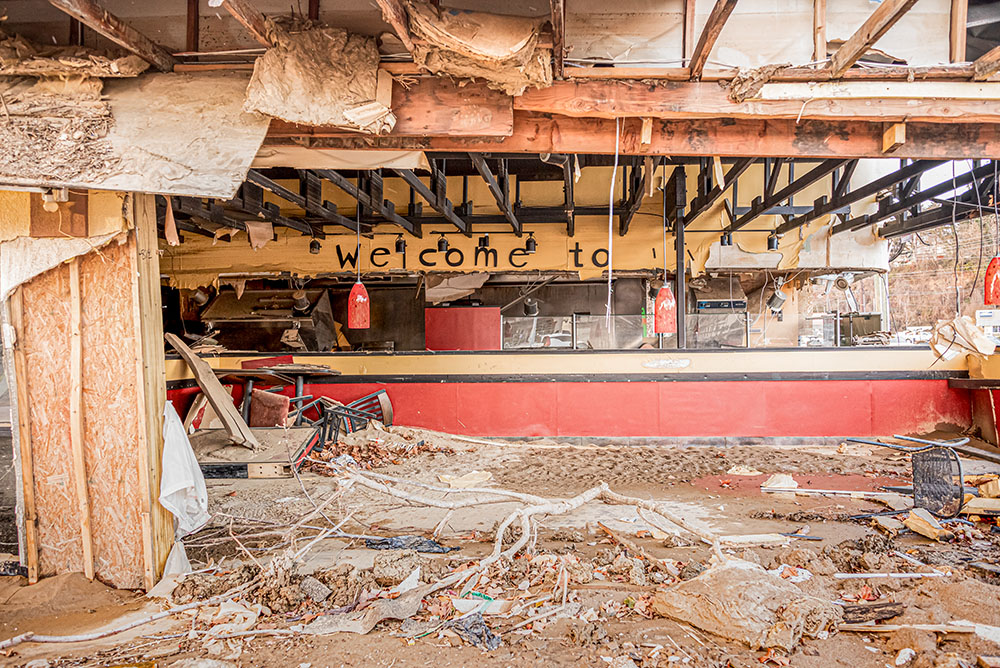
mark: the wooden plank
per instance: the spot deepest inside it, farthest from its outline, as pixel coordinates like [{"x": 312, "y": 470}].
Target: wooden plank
[
  {"x": 987, "y": 64},
  {"x": 819, "y": 30},
  {"x": 891, "y": 628},
  {"x": 956, "y": 72},
  {"x": 157, "y": 522},
  {"x": 884, "y": 17},
  {"x": 871, "y": 612},
  {"x": 709, "y": 34},
  {"x": 93, "y": 15},
  {"x": 893, "y": 137},
  {"x": 76, "y": 418},
  {"x": 977, "y": 505},
  {"x": 808, "y": 138},
  {"x": 875, "y": 102},
  {"x": 432, "y": 107},
  {"x": 248, "y": 15},
  {"x": 395, "y": 15},
  {"x": 957, "y": 33},
  {"x": 217, "y": 396},
  {"x": 24, "y": 438}
]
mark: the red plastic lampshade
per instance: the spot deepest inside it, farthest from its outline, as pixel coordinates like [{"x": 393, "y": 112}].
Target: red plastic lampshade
[
  {"x": 991, "y": 289},
  {"x": 358, "y": 308},
  {"x": 665, "y": 312}
]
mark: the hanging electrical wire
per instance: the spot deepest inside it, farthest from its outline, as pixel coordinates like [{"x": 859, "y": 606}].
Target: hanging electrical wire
[
  {"x": 954, "y": 231},
  {"x": 611, "y": 218}
]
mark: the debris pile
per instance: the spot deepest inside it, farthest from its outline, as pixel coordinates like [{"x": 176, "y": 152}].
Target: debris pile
[{"x": 374, "y": 447}]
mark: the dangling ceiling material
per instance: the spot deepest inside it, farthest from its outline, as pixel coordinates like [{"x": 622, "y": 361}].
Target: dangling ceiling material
[
  {"x": 177, "y": 134},
  {"x": 301, "y": 157},
  {"x": 324, "y": 76},
  {"x": 503, "y": 50}
]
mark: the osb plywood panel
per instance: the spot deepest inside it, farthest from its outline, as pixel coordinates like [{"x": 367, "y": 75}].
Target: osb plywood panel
[
  {"x": 46, "y": 345},
  {"x": 111, "y": 431}
]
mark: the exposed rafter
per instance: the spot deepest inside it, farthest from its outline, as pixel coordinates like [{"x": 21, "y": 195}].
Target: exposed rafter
[
  {"x": 965, "y": 205},
  {"x": 884, "y": 17},
  {"x": 761, "y": 205},
  {"x": 310, "y": 199},
  {"x": 500, "y": 193},
  {"x": 868, "y": 190},
  {"x": 844, "y": 178},
  {"x": 251, "y": 18},
  {"x": 377, "y": 205},
  {"x": 637, "y": 183},
  {"x": 395, "y": 15},
  {"x": 703, "y": 203},
  {"x": 709, "y": 34},
  {"x": 888, "y": 208},
  {"x": 437, "y": 197},
  {"x": 773, "y": 168},
  {"x": 100, "y": 20},
  {"x": 213, "y": 212}
]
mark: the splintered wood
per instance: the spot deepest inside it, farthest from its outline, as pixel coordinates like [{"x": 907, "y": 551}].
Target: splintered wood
[{"x": 109, "y": 420}]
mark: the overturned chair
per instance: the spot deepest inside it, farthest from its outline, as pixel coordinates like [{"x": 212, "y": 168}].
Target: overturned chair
[{"x": 353, "y": 416}]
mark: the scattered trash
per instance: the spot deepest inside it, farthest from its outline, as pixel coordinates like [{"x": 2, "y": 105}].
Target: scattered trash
[
  {"x": 314, "y": 589},
  {"x": 418, "y": 543},
  {"x": 904, "y": 657},
  {"x": 473, "y": 629},
  {"x": 781, "y": 481},
  {"x": 741, "y": 469}
]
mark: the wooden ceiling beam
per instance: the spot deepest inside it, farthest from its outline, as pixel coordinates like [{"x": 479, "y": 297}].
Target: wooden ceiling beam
[
  {"x": 884, "y": 17},
  {"x": 251, "y": 18},
  {"x": 383, "y": 208},
  {"x": 958, "y": 30},
  {"x": 693, "y": 99},
  {"x": 709, "y": 34},
  {"x": 395, "y": 15},
  {"x": 100, "y": 20},
  {"x": 701, "y": 204},
  {"x": 437, "y": 198},
  {"x": 724, "y": 137},
  {"x": 762, "y": 204}
]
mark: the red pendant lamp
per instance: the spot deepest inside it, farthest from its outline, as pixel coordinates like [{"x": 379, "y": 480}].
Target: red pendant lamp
[
  {"x": 358, "y": 305},
  {"x": 991, "y": 289},
  {"x": 665, "y": 311},
  {"x": 358, "y": 308}
]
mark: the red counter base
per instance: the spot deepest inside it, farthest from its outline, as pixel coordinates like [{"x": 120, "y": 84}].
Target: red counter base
[{"x": 752, "y": 408}]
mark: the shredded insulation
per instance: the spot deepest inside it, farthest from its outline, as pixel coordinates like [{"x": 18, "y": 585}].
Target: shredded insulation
[
  {"x": 502, "y": 50},
  {"x": 323, "y": 76},
  {"x": 748, "y": 82},
  {"x": 19, "y": 57}
]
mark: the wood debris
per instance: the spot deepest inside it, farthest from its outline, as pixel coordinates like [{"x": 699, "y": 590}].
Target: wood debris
[{"x": 922, "y": 522}]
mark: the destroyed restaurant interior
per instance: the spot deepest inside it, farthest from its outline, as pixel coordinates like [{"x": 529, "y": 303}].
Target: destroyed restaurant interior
[{"x": 454, "y": 332}]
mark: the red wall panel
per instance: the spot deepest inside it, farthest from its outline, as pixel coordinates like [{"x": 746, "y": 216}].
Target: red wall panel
[
  {"x": 747, "y": 408},
  {"x": 462, "y": 328}
]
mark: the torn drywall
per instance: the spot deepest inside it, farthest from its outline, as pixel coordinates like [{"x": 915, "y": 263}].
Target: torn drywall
[{"x": 24, "y": 258}]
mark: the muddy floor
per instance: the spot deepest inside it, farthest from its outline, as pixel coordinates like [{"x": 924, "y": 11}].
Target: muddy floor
[{"x": 607, "y": 596}]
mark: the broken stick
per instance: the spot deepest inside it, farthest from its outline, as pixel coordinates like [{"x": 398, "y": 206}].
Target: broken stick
[{"x": 660, "y": 564}]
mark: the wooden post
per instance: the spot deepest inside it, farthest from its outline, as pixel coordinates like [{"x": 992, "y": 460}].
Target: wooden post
[
  {"x": 157, "y": 523},
  {"x": 688, "y": 36},
  {"x": 76, "y": 417},
  {"x": 959, "y": 19},
  {"x": 24, "y": 438},
  {"x": 193, "y": 25},
  {"x": 819, "y": 30}
]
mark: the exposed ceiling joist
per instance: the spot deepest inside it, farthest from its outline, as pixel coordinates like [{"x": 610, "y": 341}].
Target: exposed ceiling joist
[
  {"x": 868, "y": 190},
  {"x": 884, "y": 17},
  {"x": 437, "y": 197},
  {"x": 315, "y": 206},
  {"x": 500, "y": 193},
  {"x": 709, "y": 34},
  {"x": 637, "y": 184},
  {"x": 762, "y": 204},
  {"x": 844, "y": 178},
  {"x": 379, "y": 206},
  {"x": 966, "y": 205},
  {"x": 250, "y": 201},
  {"x": 251, "y": 18},
  {"x": 888, "y": 208},
  {"x": 774, "y": 169},
  {"x": 213, "y": 212},
  {"x": 100, "y": 20},
  {"x": 395, "y": 15}
]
